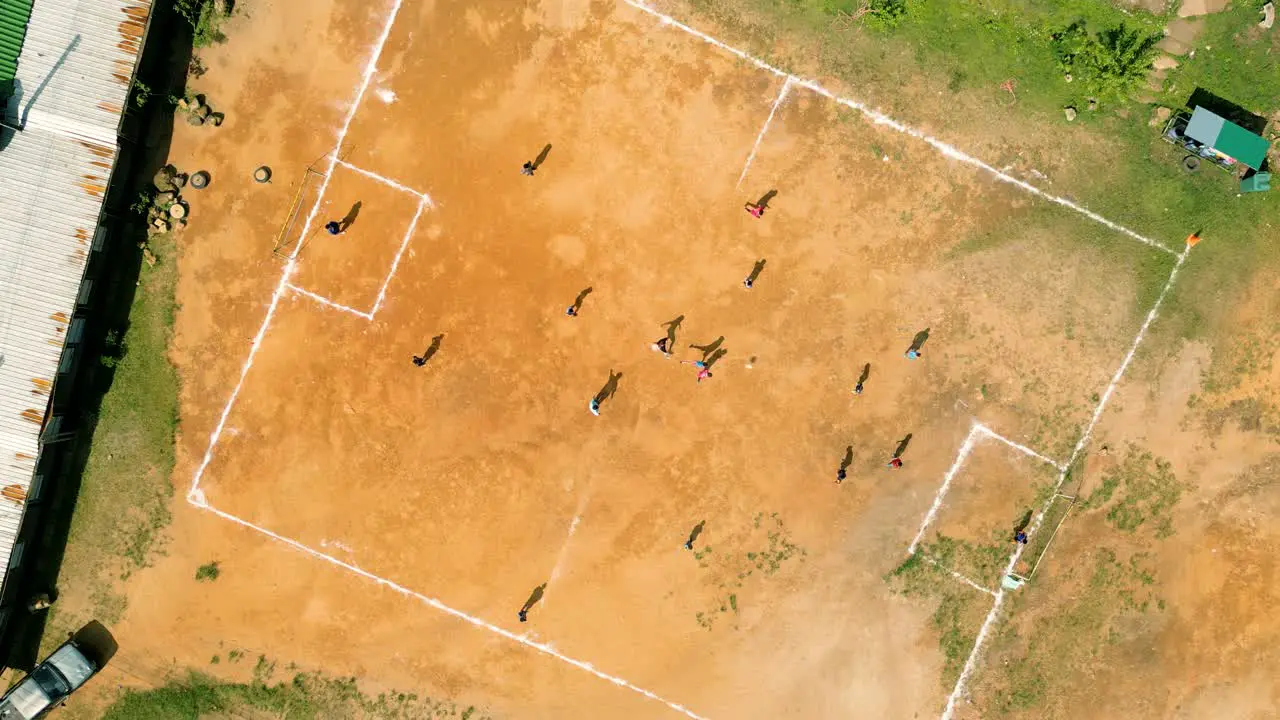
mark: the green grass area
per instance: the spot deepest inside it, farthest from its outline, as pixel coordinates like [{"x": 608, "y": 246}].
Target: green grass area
[
  {"x": 305, "y": 697},
  {"x": 1234, "y": 59},
  {"x": 124, "y": 499},
  {"x": 941, "y": 66}
]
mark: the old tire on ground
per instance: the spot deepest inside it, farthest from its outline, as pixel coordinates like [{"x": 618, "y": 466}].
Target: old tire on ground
[
  {"x": 262, "y": 174},
  {"x": 200, "y": 180},
  {"x": 1191, "y": 163}
]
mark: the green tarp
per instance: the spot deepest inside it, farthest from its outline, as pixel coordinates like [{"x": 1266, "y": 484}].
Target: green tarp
[{"x": 1226, "y": 138}]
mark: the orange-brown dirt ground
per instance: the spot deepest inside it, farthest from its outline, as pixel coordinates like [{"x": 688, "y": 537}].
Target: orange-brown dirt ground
[{"x": 482, "y": 475}]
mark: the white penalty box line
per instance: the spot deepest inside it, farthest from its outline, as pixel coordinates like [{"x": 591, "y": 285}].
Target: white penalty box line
[
  {"x": 196, "y": 497},
  {"x": 879, "y": 118},
  {"x": 424, "y": 201}
]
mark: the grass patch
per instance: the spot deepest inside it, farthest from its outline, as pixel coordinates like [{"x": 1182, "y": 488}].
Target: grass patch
[
  {"x": 1097, "y": 604},
  {"x": 1148, "y": 491},
  {"x": 733, "y": 571},
  {"x": 208, "y": 571},
  {"x": 1235, "y": 60},
  {"x": 305, "y": 697},
  {"x": 125, "y": 494}
]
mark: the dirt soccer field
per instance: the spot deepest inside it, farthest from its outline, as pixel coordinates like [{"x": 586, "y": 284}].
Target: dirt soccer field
[{"x": 390, "y": 519}]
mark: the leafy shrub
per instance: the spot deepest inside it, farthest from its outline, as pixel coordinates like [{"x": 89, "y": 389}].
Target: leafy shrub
[{"x": 1111, "y": 63}]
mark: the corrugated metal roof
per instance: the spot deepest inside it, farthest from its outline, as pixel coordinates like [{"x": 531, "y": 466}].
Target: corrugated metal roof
[
  {"x": 13, "y": 27},
  {"x": 70, "y": 88}
]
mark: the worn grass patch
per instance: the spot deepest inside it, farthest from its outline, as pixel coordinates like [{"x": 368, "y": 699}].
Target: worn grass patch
[
  {"x": 735, "y": 570},
  {"x": 957, "y": 615},
  {"x": 1141, "y": 490},
  {"x": 124, "y": 500},
  {"x": 305, "y": 697}
]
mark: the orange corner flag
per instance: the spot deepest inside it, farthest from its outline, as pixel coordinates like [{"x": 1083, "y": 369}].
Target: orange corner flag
[{"x": 1192, "y": 239}]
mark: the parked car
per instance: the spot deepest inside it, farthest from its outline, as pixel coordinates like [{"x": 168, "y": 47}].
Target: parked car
[{"x": 48, "y": 685}]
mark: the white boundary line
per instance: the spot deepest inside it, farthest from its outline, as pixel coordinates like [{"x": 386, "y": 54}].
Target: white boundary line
[
  {"x": 782, "y": 95},
  {"x": 987, "y": 624},
  {"x": 385, "y": 180},
  {"x": 433, "y": 602},
  {"x": 958, "y": 576},
  {"x": 1019, "y": 447},
  {"x": 329, "y": 303},
  {"x": 196, "y": 497},
  {"x": 962, "y": 454},
  {"x": 423, "y": 202},
  {"x": 289, "y": 266},
  {"x": 879, "y": 118}
]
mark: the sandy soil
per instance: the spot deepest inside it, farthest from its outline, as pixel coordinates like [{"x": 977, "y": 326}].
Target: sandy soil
[{"x": 482, "y": 475}]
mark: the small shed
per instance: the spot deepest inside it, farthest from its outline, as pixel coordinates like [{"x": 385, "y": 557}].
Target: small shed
[{"x": 1226, "y": 139}]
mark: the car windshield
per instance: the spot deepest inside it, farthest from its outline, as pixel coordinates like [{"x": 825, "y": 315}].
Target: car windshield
[
  {"x": 51, "y": 681},
  {"x": 73, "y": 665}
]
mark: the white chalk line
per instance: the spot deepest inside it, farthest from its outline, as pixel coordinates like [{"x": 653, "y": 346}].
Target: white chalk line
[
  {"x": 244, "y": 372},
  {"x": 1019, "y": 447},
  {"x": 438, "y": 605},
  {"x": 369, "y": 71},
  {"x": 329, "y": 303},
  {"x": 385, "y": 180},
  {"x": 965, "y": 448},
  {"x": 782, "y": 95},
  {"x": 958, "y": 576},
  {"x": 879, "y": 118},
  {"x": 989, "y": 622},
  {"x": 423, "y": 202}
]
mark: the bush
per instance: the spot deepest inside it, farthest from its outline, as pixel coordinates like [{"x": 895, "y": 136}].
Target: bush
[
  {"x": 205, "y": 18},
  {"x": 1112, "y": 63},
  {"x": 208, "y": 571},
  {"x": 887, "y": 13}
]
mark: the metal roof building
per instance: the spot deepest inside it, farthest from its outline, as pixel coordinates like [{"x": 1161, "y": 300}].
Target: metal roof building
[{"x": 69, "y": 88}]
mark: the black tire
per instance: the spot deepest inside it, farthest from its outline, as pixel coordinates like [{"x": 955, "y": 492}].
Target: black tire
[
  {"x": 1191, "y": 163},
  {"x": 200, "y": 180}
]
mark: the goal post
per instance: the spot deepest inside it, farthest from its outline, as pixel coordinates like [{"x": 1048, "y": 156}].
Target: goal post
[{"x": 290, "y": 233}]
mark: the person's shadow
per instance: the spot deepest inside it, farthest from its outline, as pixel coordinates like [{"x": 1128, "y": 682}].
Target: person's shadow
[
  {"x": 609, "y": 388},
  {"x": 432, "y": 349},
  {"x": 866, "y": 373},
  {"x": 709, "y": 348},
  {"x": 902, "y": 445},
  {"x": 763, "y": 202},
  {"x": 919, "y": 340},
  {"x": 542, "y": 156},
  {"x": 350, "y": 217},
  {"x": 672, "y": 326},
  {"x": 755, "y": 273},
  {"x": 848, "y": 458},
  {"x": 714, "y": 357},
  {"x": 693, "y": 535},
  {"x": 534, "y": 597},
  {"x": 1022, "y": 523},
  {"x": 577, "y": 302}
]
